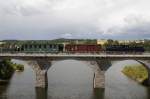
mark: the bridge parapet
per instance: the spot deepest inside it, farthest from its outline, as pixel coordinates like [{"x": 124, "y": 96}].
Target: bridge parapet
[{"x": 29, "y": 56}]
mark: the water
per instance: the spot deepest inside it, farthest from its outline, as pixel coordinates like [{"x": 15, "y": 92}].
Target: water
[
  {"x": 72, "y": 79},
  {"x": 119, "y": 86}
]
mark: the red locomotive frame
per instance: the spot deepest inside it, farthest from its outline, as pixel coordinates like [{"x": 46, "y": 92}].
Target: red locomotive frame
[{"x": 83, "y": 48}]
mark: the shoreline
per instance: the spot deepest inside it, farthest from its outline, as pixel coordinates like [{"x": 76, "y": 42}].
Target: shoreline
[{"x": 2, "y": 82}]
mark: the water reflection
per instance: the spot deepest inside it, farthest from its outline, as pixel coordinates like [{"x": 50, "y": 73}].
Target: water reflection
[
  {"x": 73, "y": 80},
  {"x": 148, "y": 93},
  {"x": 3, "y": 90},
  {"x": 119, "y": 86},
  {"x": 98, "y": 93},
  {"x": 70, "y": 79},
  {"x": 41, "y": 93}
]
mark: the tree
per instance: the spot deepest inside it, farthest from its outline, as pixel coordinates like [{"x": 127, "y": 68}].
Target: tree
[
  {"x": 115, "y": 42},
  {"x": 6, "y": 69}
]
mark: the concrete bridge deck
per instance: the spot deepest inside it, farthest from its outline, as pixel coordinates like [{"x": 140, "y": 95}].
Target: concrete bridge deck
[
  {"x": 81, "y": 56},
  {"x": 72, "y": 55}
]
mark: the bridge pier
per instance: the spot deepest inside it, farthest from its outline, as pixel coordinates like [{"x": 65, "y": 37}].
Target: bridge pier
[
  {"x": 41, "y": 78},
  {"x": 99, "y": 79},
  {"x": 99, "y": 75},
  {"x": 103, "y": 64},
  {"x": 146, "y": 65},
  {"x": 40, "y": 68},
  {"x": 148, "y": 79}
]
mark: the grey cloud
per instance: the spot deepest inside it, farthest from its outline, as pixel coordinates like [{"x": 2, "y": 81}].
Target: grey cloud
[
  {"x": 17, "y": 7},
  {"x": 47, "y": 19},
  {"x": 136, "y": 27},
  {"x": 21, "y": 11}
]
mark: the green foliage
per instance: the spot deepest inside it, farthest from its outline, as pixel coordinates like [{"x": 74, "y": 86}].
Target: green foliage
[
  {"x": 18, "y": 67},
  {"x": 147, "y": 45},
  {"x": 6, "y": 69},
  {"x": 55, "y": 41},
  {"x": 111, "y": 42},
  {"x": 136, "y": 72}
]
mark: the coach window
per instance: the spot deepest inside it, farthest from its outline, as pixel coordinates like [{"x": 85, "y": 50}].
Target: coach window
[
  {"x": 30, "y": 46},
  {"x": 35, "y": 46},
  {"x": 40, "y": 46},
  {"x": 22, "y": 48},
  {"x": 26, "y": 46},
  {"x": 50, "y": 46},
  {"x": 54, "y": 46},
  {"x": 45, "y": 46}
]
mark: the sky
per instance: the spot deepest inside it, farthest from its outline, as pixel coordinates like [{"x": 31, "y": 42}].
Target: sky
[{"x": 51, "y": 19}]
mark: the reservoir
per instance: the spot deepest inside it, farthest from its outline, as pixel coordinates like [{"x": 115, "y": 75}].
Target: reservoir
[{"x": 71, "y": 79}]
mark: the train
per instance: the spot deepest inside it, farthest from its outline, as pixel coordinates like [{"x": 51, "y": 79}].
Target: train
[
  {"x": 83, "y": 48},
  {"x": 47, "y": 47},
  {"x": 124, "y": 49}
]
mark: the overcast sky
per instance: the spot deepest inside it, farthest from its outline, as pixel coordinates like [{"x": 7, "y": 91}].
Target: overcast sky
[{"x": 49, "y": 19}]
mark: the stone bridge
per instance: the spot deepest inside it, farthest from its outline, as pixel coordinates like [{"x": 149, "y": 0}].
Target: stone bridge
[{"x": 41, "y": 62}]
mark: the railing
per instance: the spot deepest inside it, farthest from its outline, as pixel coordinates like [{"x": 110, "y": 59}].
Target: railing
[
  {"x": 66, "y": 53},
  {"x": 73, "y": 52}
]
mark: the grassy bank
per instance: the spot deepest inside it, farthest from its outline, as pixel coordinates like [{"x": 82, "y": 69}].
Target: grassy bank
[{"x": 136, "y": 72}]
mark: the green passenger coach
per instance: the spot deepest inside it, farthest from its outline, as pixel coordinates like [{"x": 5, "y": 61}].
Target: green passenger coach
[{"x": 34, "y": 46}]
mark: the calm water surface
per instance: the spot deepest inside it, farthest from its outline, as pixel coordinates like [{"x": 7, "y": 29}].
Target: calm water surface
[{"x": 72, "y": 79}]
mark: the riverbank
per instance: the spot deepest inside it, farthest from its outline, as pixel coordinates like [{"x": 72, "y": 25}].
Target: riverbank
[{"x": 3, "y": 82}]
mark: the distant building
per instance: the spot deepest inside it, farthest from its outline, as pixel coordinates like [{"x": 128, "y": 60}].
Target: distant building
[
  {"x": 124, "y": 41},
  {"x": 130, "y": 41},
  {"x": 102, "y": 41},
  {"x": 139, "y": 41},
  {"x": 2, "y": 42}
]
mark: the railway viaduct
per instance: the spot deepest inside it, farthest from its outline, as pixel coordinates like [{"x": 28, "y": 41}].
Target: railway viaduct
[{"x": 41, "y": 62}]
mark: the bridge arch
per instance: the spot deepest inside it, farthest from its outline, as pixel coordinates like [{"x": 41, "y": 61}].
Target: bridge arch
[
  {"x": 41, "y": 62},
  {"x": 147, "y": 66},
  {"x": 41, "y": 67}
]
